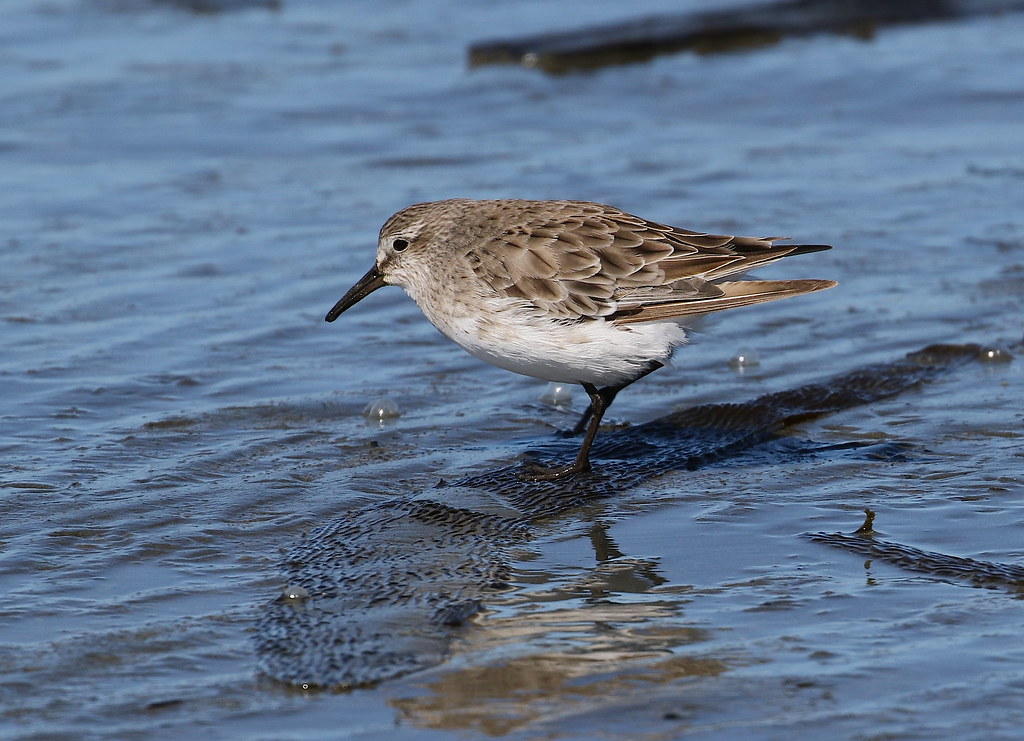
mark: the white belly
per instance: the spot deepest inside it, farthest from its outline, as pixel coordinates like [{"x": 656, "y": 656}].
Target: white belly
[{"x": 596, "y": 351}]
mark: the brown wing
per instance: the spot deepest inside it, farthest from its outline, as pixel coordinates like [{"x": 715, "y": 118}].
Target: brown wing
[{"x": 579, "y": 260}]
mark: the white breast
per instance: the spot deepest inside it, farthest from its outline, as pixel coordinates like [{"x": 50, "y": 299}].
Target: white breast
[{"x": 511, "y": 334}]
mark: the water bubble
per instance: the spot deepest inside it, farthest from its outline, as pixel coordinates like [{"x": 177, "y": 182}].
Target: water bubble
[
  {"x": 557, "y": 394},
  {"x": 995, "y": 355},
  {"x": 295, "y": 592},
  {"x": 745, "y": 358},
  {"x": 381, "y": 409}
]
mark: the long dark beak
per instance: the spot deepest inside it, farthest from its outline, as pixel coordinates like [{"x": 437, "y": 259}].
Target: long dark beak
[{"x": 363, "y": 288}]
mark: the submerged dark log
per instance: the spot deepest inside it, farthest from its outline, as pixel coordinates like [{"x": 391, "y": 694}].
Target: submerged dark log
[
  {"x": 380, "y": 591},
  {"x": 939, "y": 565},
  {"x": 204, "y": 7},
  {"x": 720, "y": 31}
]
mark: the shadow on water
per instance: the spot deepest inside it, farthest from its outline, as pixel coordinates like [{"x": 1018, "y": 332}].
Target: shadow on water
[
  {"x": 380, "y": 591},
  {"x": 720, "y": 31}
]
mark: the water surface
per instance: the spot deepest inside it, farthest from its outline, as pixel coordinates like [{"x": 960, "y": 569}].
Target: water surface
[{"x": 183, "y": 196}]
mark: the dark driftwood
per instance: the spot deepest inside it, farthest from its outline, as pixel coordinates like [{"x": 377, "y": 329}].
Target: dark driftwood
[
  {"x": 221, "y": 6},
  {"x": 719, "y": 31},
  {"x": 939, "y": 565}
]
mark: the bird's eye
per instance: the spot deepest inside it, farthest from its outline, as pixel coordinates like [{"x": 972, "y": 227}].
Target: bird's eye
[{"x": 399, "y": 245}]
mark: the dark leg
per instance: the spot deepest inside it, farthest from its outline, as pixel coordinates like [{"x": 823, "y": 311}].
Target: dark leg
[
  {"x": 600, "y": 400},
  {"x": 598, "y": 405},
  {"x": 609, "y": 393}
]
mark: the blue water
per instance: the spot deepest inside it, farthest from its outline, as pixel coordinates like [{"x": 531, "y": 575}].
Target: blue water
[{"x": 183, "y": 196}]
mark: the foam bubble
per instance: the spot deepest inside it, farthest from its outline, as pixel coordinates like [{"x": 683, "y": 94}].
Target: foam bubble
[
  {"x": 295, "y": 593},
  {"x": 381, "y": 409},
  {"x": 557, "y": 394},
  {"x": 745, "y": 357},
  {"x": 995, "y": 355}
]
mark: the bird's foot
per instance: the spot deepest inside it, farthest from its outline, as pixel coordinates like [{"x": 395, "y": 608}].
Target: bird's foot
[{"x": 536, "y": 472}]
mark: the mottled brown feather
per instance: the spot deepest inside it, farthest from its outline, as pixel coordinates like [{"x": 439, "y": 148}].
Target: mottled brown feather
[
  {"x": 732, "y": 296},
  {"x": 577, "y": 260}
]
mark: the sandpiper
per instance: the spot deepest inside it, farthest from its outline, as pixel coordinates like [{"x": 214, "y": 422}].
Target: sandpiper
[{"x": 568, "y": 291}]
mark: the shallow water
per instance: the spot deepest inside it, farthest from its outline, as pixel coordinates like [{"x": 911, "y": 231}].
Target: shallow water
[{"x": 183, "y": 196}]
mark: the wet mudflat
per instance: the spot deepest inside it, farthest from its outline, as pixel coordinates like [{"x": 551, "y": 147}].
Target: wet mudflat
[{"x": 185, "y": 194}]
